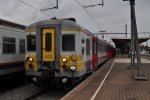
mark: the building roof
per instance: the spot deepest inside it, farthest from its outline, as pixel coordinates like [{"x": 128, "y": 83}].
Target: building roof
[
  {"x": 125, "y": 42},
  {"x": 12, "y": 24}
]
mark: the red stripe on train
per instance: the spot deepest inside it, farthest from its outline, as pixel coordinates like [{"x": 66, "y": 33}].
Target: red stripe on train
[{"x": 8, "y": 63}]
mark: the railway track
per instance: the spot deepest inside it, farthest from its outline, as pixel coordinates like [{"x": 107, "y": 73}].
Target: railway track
[
  {"x": 31, "y": 92},
  {"x": 20, "y": 93},
  {"x": 7, "y": 84},
  {"x": 48, "y": 95},
  {"x": 34, "y": 96}
]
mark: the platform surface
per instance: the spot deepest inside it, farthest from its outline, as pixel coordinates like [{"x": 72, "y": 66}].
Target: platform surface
[{"x": 114, "y": 81}]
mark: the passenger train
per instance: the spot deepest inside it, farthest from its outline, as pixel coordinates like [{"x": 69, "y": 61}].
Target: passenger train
[
  {"x": 62, "y": 50},
  {"x": 12, "y": 47}
]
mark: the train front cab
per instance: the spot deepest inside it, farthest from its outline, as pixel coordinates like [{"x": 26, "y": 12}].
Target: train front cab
[
  {"x": 30, "y": 55},
  {"x": 41, "y": 53},
  {"x": 59, "y": 53}
]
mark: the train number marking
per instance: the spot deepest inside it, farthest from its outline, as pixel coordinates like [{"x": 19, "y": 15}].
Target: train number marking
[{"x": 48, "y": 56}]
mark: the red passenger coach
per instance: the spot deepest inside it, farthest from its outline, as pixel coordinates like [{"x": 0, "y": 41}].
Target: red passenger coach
[
  {"x": 110, "y": 51},
  {"x": 95, "y": 52}
]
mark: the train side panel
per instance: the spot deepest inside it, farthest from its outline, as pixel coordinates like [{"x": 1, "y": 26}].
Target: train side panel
[
  {"x": 12, "y": 49},
  {"x": 95, "y": 52},
  {"x": 101, "y": 52}
]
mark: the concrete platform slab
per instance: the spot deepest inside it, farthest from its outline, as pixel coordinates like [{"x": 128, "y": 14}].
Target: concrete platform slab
[
  {"x": 118, "y": 84},
  {"x": 128, "y": 60}
]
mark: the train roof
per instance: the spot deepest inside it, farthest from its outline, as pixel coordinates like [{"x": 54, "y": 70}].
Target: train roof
[
  {"x": 12, "y": 24},
  {"x": 65, "y": 24}
]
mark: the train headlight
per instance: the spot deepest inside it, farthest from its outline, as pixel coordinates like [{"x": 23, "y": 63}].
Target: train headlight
[
  {"x": 73, "y": 68},
  {"x": 30, "y": 59},
  {"x": 64, "y": 80},
  {"x": 64, "y": 60}
]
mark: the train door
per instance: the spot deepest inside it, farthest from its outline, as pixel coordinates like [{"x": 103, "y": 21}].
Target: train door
[
  {"x": 48, "y": 53},
  {"x": 95, "y": 52},
  {"x": 48, "y": 45}
]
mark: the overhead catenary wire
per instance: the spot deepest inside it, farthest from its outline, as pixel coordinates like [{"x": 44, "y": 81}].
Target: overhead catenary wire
[
  {"x": 34, "y": 8},
  {"x": 50, "y": 4},
  {"x": 93, "y": 5},
  {"x": 89, "y": 14},
  {"x": 103, "y": 25}
]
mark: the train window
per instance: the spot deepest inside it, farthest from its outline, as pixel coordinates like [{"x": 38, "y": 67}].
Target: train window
[
  {"x": 68, "y": 42},
  {"x": 83, "y": 45},
  {"x": 48, "y": 41},
  {"x": 87, "y": 47},
  {"x": 31, "y": 42},
  {"x": 83, "y": 41},
  {"x": 82, "y": 50},
  {"x": 95, "y": 47},
  {"x": 22, "y": 46},
  {"x": 9, "y": 45},
  {"x": 101, "y": 47}
]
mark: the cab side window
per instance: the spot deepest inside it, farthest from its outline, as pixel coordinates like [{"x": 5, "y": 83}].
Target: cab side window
[
  {"x": 87, "y": 47},
  {"x": 82, "y": 41}
]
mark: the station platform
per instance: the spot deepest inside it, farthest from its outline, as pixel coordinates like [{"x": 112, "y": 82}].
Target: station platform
[{"x": 114, "y": 81}]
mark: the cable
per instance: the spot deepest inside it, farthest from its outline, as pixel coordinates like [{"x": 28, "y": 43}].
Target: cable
[
  {"x": 50, "y": 4},
  {"x": 79, "y": 3},
  {"x": 103, "y": 26},
  {"x": 101, "y": 21},
  {"x": 88, "y": 14},
  {"x": 33, "y": 7}
]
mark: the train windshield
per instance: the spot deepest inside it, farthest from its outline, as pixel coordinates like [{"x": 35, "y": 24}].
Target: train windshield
[
  {"x": 31, "y": 42},
  {"x": 68, "y": 42}
]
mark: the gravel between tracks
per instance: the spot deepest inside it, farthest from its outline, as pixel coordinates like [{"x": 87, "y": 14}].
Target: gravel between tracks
[{"x": 20, "y": 93}]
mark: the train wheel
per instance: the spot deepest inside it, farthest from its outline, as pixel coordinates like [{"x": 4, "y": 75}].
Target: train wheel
[
  {"x": 28, "y": 79},
  {"x": 38, "y": 82}
]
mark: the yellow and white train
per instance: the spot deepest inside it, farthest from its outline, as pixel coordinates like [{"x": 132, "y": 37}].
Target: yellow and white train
[{"x": 60, "y": 49}]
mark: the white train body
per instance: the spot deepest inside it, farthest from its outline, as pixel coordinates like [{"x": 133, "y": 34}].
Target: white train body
[
  {"x": 60, "y": 49},
  {"x": 12, "y": 47}
]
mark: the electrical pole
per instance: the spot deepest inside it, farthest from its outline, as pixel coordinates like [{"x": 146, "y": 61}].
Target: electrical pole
[
  {"x": 126, "y": 30},
  {"x": 135, "y": 43},
  {"x": 147, "y": 47}
]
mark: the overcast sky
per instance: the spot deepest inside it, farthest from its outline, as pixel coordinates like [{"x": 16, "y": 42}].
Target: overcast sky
[{"x": 111, "y": 18}]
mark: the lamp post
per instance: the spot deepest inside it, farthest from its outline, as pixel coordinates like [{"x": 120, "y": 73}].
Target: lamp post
[
  {"x": 134, "y": 43},
  {"x": 126, "y": 30}
]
